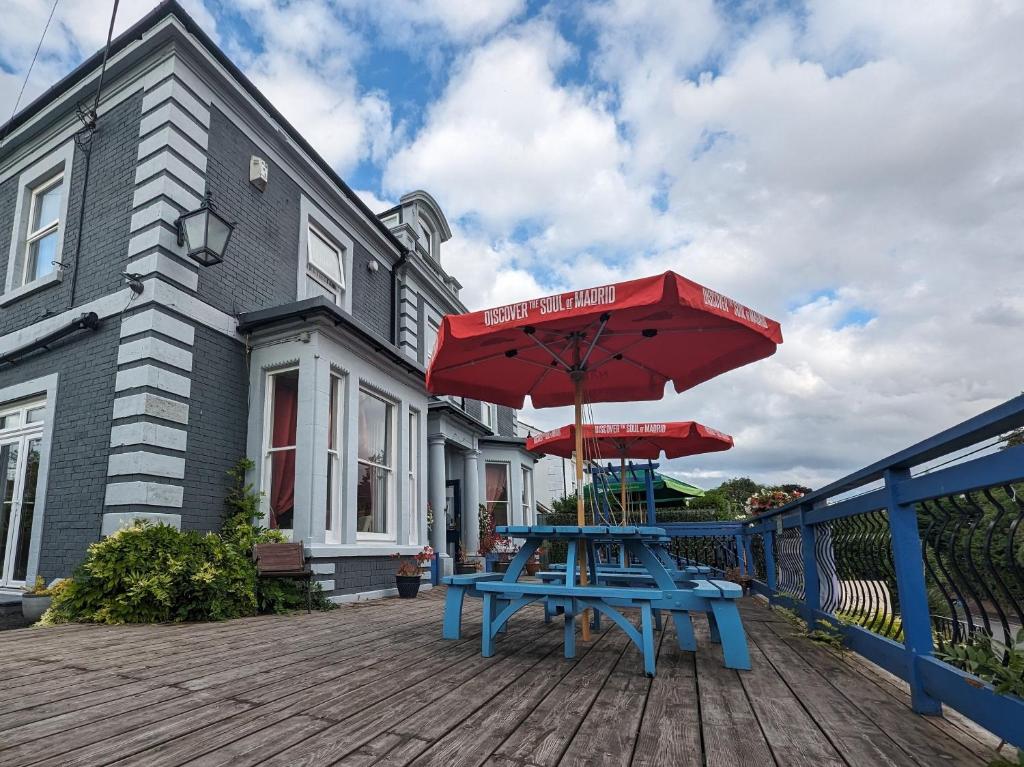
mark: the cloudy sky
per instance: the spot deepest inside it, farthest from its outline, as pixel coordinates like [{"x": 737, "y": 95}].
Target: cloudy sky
[{"x": 852, "y": 168}]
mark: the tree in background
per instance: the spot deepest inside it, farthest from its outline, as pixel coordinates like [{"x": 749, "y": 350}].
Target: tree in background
[{"x": 730, "y": 496}]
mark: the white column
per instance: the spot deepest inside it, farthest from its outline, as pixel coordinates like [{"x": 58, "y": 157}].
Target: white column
[
  {"x": 471, "y": 502},
  {"x": 436, "y": 494}
]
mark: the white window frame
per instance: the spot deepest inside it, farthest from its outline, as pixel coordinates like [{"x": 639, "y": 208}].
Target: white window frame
[
  {"x": 508, "y": 488},
  {"x": 268, "y": 437},
  {"x": 333, "y": 521},
  {"x": 527, "y": 494},
  {"x": 490, "y": 415},
  {"x": 412, "y": 455},
  {"x": 39, "y": 177},
  {"x": 311, "y": 217},
  {"x": 27, "y": 396},
  {"x": 426, "y": 238},
  {"x": 392, "y": 522},
  {"x": 430, "y": 333}
]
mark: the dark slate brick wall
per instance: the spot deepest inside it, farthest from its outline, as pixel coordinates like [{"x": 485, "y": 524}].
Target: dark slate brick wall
[
  {"x": 506, "y": 421},
  {"x": 371, "y": 299},
  {"x": 217, "y": 425},
  {"x": 260, "y": 268},
  {"x": 108, "y": 207},
  {"x": 86, "y": 364},
  {"x": 355, "y": 574},
  {"x": 260, "y": 265}
]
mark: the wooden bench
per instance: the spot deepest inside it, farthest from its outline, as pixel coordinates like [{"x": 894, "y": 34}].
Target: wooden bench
[
  {"x": 284, "y": 560},
  {"x": 715, "y": 598},
  {"x": 459, "y": 587},
  {"x": 502, "y": 600},
  {"x": 602, "y": 568}
]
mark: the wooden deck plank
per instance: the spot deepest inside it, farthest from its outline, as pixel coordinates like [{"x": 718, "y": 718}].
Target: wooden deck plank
[
  {"x": 607, "y": 734},
  {"x": 373, "y": 683},
  {"x": 543, "y": 736},
  {"x": 669, "y": 733},
  {"x": 360, "y": 724},
  {"x": 792, "y": 734},
  {"x": 475, "y": 739},
  {"x": 729, "y": 727},
  {"x": 920, "y": 740}
]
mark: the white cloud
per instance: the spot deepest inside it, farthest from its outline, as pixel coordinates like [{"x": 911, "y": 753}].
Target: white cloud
[
  {"x": 410, "y": 21},
  {"x": 375, "y": 203},
  {"x": 509, "y": 146},
  {"x": 866, "y": 154},
  {"x": 306, "y": 69},
  {"x": 76, "y": 32}
]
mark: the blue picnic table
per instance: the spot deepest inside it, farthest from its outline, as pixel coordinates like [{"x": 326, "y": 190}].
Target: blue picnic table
[{"x": 652, "y": 587}]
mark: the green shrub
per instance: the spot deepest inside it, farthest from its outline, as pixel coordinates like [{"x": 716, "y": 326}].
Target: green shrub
[{"x": 154, "y": 573}]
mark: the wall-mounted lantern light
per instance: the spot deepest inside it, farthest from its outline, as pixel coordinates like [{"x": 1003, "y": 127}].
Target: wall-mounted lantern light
[{"x": 204, "y": 233}]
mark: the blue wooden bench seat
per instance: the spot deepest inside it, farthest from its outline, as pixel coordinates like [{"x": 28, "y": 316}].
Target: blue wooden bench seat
[
  {"x": 502, "y": 600},
  {"x": 687, "y": 569},
  {"x": 459, "y": 587},
  {"x": 715, "y": 598}
]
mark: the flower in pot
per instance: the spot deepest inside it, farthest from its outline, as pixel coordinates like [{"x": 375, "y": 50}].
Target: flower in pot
[
  {"x": 464, "y": 565},
  {"x": 409, "y": 573},
  {"x": 36, "y": 600},
  {"x": 506, "y": 549},
  {"x": 533, "y": 564}
]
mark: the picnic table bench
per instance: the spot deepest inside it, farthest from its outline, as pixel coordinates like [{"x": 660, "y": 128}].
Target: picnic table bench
[
  {"x": 716, "y": 598},
  {"x": 459, "y": 587},
  {"x": 655, "y": 585}
]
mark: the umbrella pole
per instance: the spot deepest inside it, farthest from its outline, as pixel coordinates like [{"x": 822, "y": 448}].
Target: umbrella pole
[
  {"x": 580, "y": 516},
  {"x": 622, "y": 486}
]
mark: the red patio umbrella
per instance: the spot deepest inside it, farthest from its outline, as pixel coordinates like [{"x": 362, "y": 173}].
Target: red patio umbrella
[
  {"x": 611, "y": 343},
  {"x": 633, "y": 440}
]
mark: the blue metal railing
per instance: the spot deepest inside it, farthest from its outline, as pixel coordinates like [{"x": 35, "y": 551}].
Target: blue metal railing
[{"x": 901, "y": 562}]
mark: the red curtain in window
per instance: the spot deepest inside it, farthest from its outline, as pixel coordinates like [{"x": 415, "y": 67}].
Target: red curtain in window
[
  {"x": 285, "y": 412},
  {"x": 497, "y": 492}
]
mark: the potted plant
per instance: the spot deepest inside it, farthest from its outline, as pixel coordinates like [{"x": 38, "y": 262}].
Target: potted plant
[
  {"x": 464, "y": 565},
  {"x": 533, "y": 564},
  {"x": 409, "y": 573},
  {"x": 505, "y": 548},
  {"x": 36, "y": 600}
]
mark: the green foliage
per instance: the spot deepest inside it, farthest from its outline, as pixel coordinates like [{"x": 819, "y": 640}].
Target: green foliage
[
  {"x": 155, "y": 573},
  {"x": 1000, "y": 664},
  {"x": 565, "y": 505},
  {"x": 38, "y": 589},
  {"x": 884, "y": 625},
  {"x": 823, "y": 632}
]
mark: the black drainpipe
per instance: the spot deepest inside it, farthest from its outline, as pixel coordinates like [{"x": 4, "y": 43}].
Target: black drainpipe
[{"x": 87, "y": 321}]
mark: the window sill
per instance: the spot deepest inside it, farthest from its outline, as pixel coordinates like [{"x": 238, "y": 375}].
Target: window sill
[
  {"x": 43, "y": 282},
  {"x": 365, "y": 549}
]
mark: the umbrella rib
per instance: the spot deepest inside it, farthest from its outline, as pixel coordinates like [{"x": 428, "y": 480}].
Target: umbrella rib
[
  {"x": 593, "y": 341},
  {"x": 549, "y": 350},
  {"x": 621, "y": 355},
  {"x": 676, "y": 331}
]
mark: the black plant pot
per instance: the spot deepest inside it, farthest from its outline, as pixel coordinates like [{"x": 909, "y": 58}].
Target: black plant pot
[
  {"x": 501, "y": 567},
  {"x": 464, "y": 568},
  {"x": 408, "y": 585}
]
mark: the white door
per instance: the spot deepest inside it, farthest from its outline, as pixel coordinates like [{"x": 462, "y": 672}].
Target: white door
[{"x": 19, "y": 473}]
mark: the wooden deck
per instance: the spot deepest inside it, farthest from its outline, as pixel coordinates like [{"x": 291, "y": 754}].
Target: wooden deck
[{"x": 373, "y": 683}]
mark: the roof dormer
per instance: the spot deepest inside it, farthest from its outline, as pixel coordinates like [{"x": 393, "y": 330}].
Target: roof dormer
[{"x": 419, "y": 223}]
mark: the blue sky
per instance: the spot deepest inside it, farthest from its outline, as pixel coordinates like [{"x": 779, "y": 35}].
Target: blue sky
[{"x": 851, "y": 168}]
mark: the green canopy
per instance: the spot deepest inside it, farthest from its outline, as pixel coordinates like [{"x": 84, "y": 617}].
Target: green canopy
[{"x": 667, "y": 490}]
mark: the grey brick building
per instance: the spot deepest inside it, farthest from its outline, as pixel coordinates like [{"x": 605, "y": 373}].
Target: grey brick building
[{"x": 132, "y": 378}]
